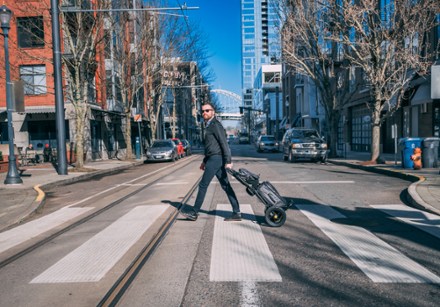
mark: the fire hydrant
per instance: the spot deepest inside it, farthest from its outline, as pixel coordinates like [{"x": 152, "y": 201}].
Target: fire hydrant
[{"x": 416, "y": 157}]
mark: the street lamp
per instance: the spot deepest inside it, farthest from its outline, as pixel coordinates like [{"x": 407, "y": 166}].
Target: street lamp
[{"x": 13, "y": 177}]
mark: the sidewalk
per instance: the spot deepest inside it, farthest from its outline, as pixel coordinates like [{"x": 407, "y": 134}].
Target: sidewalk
[
  {"x": 18, "y": 202},
  {"x": 423, "y": 193}
]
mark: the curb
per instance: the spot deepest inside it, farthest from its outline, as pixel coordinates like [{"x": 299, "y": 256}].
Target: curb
[
  {"x": 412, "y": 197},
  {"x": 417, "y": 201}
]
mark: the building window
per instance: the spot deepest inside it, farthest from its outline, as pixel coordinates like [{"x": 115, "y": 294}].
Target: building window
[
  {"x": 30, "y": 32},
  {"x": 361, "y": 129},
  {"x": 34, "y": 77}
]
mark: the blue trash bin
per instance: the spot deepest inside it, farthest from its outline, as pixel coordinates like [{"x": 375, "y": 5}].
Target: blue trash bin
[{"x": 407, "y": 146}]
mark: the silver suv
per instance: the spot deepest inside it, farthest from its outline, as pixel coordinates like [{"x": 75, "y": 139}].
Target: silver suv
[{"x": 303, "y": 143}]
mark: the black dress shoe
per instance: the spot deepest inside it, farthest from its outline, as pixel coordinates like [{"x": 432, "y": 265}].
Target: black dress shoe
[
  {"x": 235, "y": 217},
  {"x": 192, "y": 216}
]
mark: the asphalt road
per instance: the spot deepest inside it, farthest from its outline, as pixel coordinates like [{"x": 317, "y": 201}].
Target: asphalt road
[
  {"x": 348, "y": 240},
  {"x": 316, "y": 262}
]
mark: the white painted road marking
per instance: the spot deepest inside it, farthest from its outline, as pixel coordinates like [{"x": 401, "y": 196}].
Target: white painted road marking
[
  {"x": 118, "y": 185},
  {"x": 422, "y": 220},
  {"x": 25, "y": 232},
  {"x": 249, "y": 295},
  {"x": 93, "y": 259},
  {"x": 304, "y": 182},
  {"x": 172, "y": 183},
  {"x": 381, "y": 262},
  {"x": 314, "y": 182},
  {"x": 240, "y": 251}
]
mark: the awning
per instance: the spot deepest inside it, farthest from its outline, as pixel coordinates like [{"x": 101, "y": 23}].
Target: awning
[
  {"x": 422, "y": 95},
  {"x": 39, "y": 110}
]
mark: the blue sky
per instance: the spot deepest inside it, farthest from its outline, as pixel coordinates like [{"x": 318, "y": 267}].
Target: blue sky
[{"x": 220, "y": 20}]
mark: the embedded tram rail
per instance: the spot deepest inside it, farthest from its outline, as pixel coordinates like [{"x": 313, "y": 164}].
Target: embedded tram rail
[{"x": 102, "y": 204}]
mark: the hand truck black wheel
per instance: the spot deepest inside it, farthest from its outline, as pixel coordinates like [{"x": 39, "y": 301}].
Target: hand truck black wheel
[
  {"x": 250, "y": 191},
  {"x": 275, "y": 216}
]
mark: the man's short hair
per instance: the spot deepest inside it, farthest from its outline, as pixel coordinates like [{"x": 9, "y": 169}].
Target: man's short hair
[{"x": 209, "y": 104}]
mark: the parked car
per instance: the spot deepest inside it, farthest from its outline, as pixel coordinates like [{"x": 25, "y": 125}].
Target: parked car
[
  {"x": 243, "y": 138},
  {"x": 162, "y": 150},
  {"x": 266, "y": 143},
  {"x": 187, "y": 147},
  {"x": 303, "y": 143},
  {"x": 180, "y": 148}
]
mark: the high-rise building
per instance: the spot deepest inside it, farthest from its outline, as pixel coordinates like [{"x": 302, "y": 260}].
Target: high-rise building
[{"x": 260, "y": 41}]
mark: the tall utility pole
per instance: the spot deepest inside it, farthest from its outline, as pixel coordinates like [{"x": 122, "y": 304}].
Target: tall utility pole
[
  {"x": 59, "y": 99},
  {"x": 13, "y": 177}
]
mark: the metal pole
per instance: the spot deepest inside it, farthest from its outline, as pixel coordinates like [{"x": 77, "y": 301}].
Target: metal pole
[
  {"x": 59, "y": 99},
  {"x": 13, "y": 177},
  {"x": 140, "y": 139},
  {"x": 277, "y": 110},
  {"x": 249, "y": 125}
]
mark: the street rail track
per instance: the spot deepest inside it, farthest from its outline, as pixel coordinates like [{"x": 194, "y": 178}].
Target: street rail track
[
  {"x": 88, "y": 217},
  {"x": 117, "y": 291}
]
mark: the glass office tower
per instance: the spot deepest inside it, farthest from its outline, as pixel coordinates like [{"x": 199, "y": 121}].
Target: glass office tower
[{"x": 260, "y": 41}]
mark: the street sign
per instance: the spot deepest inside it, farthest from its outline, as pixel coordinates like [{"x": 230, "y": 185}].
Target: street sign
[
  {"x": 18, "y": 96},
  {"x": 138, "y": 117},
  {"x": 435, "y": 82},
  {"x": 394, "y": 131}
]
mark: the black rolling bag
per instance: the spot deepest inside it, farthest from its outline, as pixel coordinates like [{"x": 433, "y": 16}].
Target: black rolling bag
[{"x": 276, "y": 205}]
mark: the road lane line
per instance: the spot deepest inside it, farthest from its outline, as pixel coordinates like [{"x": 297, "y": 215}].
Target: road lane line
[
  {"x": 314, "y": 182},
  {"x": 118, "y": 185},
  {"x": 302, "y": 182},
  {"x": 32, "y": 229},
  {"x": 93, "y": 259},
  {"x": 249, "y": 295},
  {"x": 422, "y": 220},
  {"x": 381, "y": 262},
  {"x": 239, "y": 250},
  {"x": 172, "y": 183}
]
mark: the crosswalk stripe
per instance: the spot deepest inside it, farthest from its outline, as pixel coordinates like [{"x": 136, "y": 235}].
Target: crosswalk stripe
[
  {"x": 172, "y": 183},
  {"x": 314, "y": 182},
  {"x": 303, "y": 182},
  {"x": 93, "y": 259},
  {"x": 381, "y": 262},
  {"x": 422, "y": 220},
  {"x": 240, "y": 251},
  {"x": 27, "y": 231}
]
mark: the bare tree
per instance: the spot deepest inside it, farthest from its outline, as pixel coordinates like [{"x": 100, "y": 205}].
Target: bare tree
[
  {"x": 172, "y": 41},
  {"x": 389, "y": 43},
  {"x": 82, "y": 36},
  {"x": 307, "y": 48},
  {"x": 126, "y": 35}
]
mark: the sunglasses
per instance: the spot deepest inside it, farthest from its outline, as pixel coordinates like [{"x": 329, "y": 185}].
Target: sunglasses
[{"x": 206, "y": 110}]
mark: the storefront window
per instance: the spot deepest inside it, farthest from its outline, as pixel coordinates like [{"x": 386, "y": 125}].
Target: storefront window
[
  {"x": 43, "y": 132},
  {"x": 361, "y": 129}
]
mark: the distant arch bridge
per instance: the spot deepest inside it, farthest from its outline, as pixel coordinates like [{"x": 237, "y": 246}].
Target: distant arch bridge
[{"x": 230, "y": 104}]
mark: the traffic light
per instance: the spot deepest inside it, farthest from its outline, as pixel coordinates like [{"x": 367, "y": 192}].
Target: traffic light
[{"x": 241, "y": 110}]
